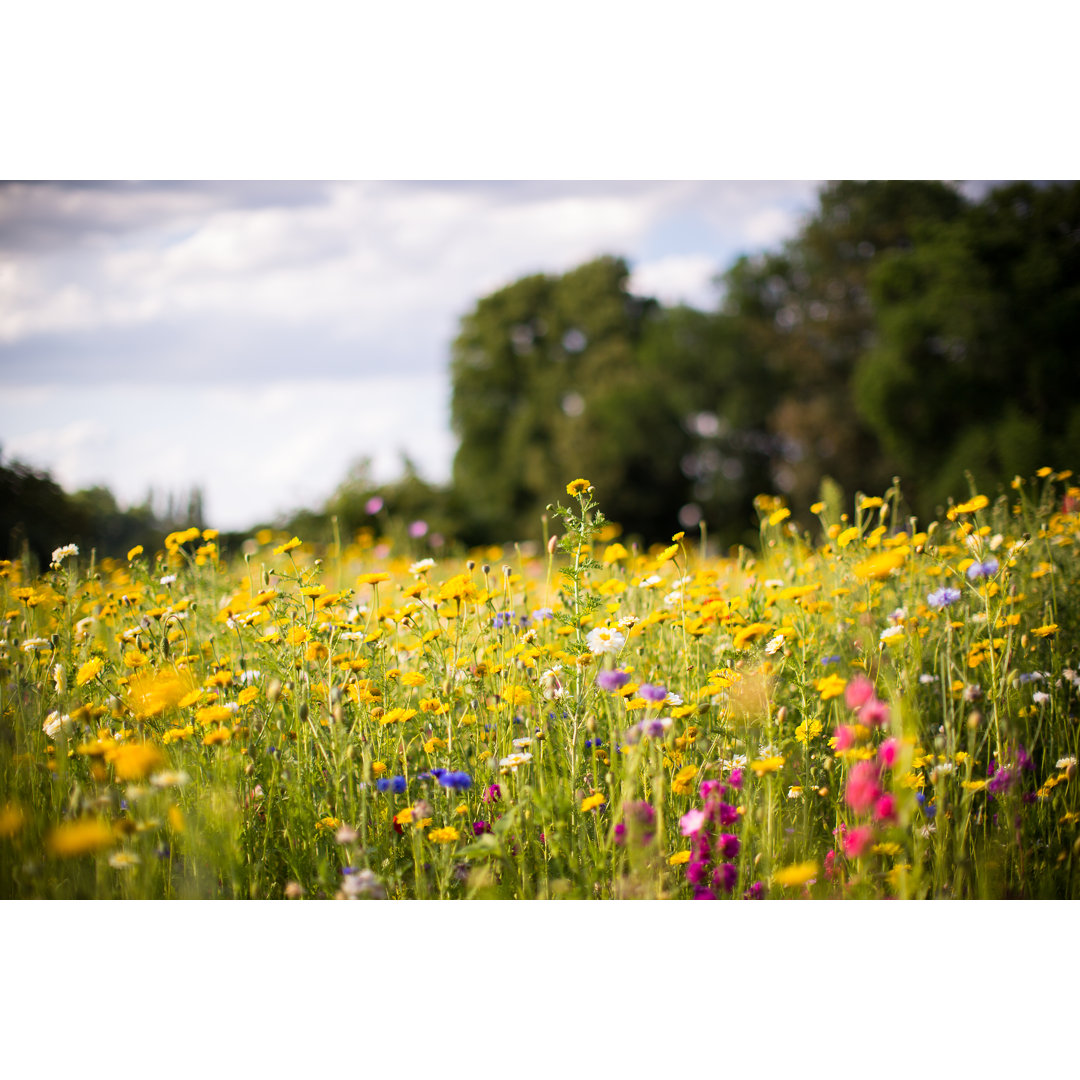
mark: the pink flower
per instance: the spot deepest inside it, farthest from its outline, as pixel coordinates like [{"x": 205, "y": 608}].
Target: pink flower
[
  {"x": 859, "y": 691},
  {"x": 874, "y": 713},
  {"x": 889, "y": 753},
  {"x": 845, "y": 738},
  {"x": 857, "y": 841},
  {"x": 696, "y": 871},
  {"x": 736, "y": 778},
  {"x": 691, "y": 822},
  {"x": 862, "y": 787},
  {"x": 710, "y": 788},
  {"x": 885, "y": 808},
  {"x": 830, "y": 859}
]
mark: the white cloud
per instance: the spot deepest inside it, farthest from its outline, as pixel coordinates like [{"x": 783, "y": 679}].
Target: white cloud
[{"x": 678, "y": 279}]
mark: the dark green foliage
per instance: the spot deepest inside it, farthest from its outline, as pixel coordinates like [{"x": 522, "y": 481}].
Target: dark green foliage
[{"x": 975, "y": 366}]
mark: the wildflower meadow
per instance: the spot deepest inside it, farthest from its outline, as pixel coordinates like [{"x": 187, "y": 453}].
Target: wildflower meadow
[{"x": 878, "y": 707}]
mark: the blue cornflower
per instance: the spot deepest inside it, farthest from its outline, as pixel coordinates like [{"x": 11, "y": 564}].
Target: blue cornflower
[
  {"x": 542, "y": 614},
  {"x": 593, "y": 742},
  {"x": 982, "y": 569},
  {"x": 943, "y": 597},
  {"x": 826, "y": 660},
  {"x": 456, "y": 781},
  {"x": 502, "y": 620},
  {"x": 395, "y": 784}
]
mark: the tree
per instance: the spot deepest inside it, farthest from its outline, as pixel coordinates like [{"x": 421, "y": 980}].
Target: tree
[
  {"x": 807, "y": 315},
  {"x": 548, "y": 386},
  {"x": 976, "y": 362}
]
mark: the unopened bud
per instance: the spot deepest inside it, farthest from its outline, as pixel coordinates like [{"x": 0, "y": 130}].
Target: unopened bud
[
  {"x": 552, "y": 544},
  {"x": 974, "y": 720}
]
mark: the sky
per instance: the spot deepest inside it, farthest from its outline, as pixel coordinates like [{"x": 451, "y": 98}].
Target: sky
[{"x": 259, "y": 338}]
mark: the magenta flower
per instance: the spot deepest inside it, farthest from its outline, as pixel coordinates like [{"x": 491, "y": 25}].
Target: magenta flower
[
  {"x": 874, "y": 713},
  {"x": 729, "y": 845},
  {"x": 889, "y": 753},
  {"x": 492, "y": 793},
  {"x": 725, "y": 877},
  {"x": 735, "y": 778},
  {"x": 702, "y": 893},
  {"x": 418, "y": 529},
  {"x": 862, "y": 787},
  {"x": 696, "y": 871},
  {"x": 691, "y": 822},
  {"x": 845, "y": 738},
  {"x": 885, "y": 808},
  {"x": 711, "y": 789},
  {"x": 857, "y": 841},
  {"x": 859, "y": 691},
  {"x": 373, "y": 505}
]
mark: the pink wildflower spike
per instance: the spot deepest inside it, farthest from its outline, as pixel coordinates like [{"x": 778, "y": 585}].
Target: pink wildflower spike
[
  {"x": 862, "y": 787},
  {"x": 889, "y": 753},
  {"x": 859, "y": 691},
  {"x": 845, "y": 738},
  {"x": 874, "y": 713},
  {"x": 885, "y": 809},
  {"x": 691, "y": 822},
  {"x": 857, "y": 841}
]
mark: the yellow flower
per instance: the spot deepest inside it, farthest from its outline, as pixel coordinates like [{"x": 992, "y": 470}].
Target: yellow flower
[
  {"x": 869, "y": 502},
  {"x": 444, "y": 836},
  {"x": 668, "y": 553},
  {"x": 90, "y": 670},
  {"x": 412, "y": 678},
  {"x": 779, "y": 515},
  {"x": 879, "y": 566},
  {"x": 136, "y": 550},
  {"x": 795, "y": 875},
  {"x": 134, "y": 761},
  {"x": 1045, "y": 631},
  {"x": 766, "y": 765},
  {"x": 79, "y": 838},
  {"x": 592, "y": 802},
  {"x": 807, "y": 731},
  {"x": 328, "y": 824},
  {"x": 12, "y": 819},
  {"x": 684, "y": 780},
  {"x": 614, "y": 553},
  {"x": 372, "y": 579},
  {"x": 576, "y": 487},
  {"x": 830, "y": 686},
  {"x": 750, "y": 633},
  {"x": 847, "y": 536},
  {"x": 395, "y": 716},
  {"x": 287, "y": 546},
  {"x": 218, "y": 735},
  {"x": 679, "y": 858},
  {"x": 247, "y": 696},
  {"x": 213, "y": 714}
]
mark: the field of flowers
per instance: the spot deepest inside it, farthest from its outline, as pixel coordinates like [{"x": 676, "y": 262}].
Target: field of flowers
[{"x": 888, "y": 710}]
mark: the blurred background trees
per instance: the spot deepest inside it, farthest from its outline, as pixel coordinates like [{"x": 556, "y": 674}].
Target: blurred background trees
[{"x": 904, "y": 330}]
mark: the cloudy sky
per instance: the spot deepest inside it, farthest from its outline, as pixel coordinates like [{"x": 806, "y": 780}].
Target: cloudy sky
[{"x": 257, "y": 338}]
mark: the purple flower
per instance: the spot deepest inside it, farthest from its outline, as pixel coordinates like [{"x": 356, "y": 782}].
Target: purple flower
[
  {"x": 943, "y": 597},
  {"x": 1023, "y": 759},
  {"x": 480, "y": 827},
  {"x": 701, "y": 893},
  {"x": 492, "y": 793},
  {"x": 696, "y": 871},
  {"x": 728, "y": 814},
  {"x": 418, "y": 529},
  {"x": 1000, "y": 782},
  {"x": 456, "y": 781},
  {"x": 612, "y": 680},
  {"x": 729, "y": 845},
  {"x": 725, "y": 877},
  {"x": 652, "y": 693},
  {"x": 982, "y": 569},
  {"x": 373, "y": 505},
  {"x": 755, "y": 892}
]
